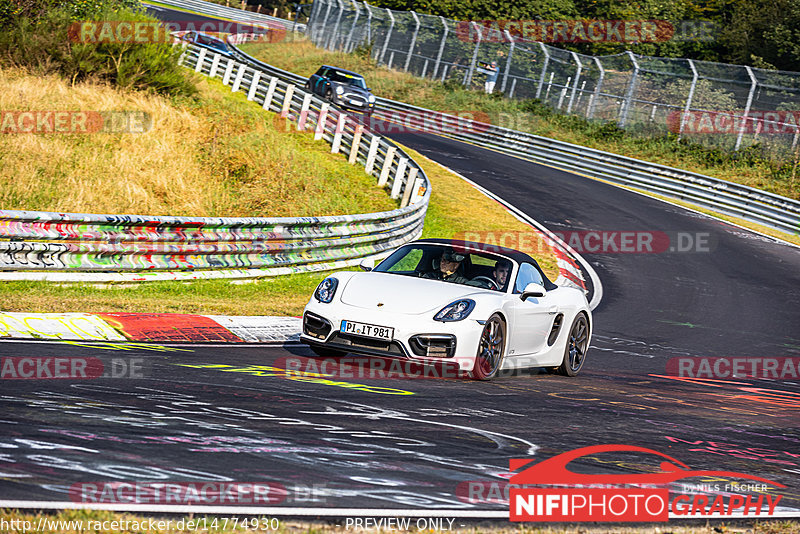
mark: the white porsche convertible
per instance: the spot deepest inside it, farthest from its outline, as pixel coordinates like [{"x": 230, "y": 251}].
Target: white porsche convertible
[{"x": 436, "y": 300}]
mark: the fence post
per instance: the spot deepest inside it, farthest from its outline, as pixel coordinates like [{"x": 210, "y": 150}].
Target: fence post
[
  {"x": 397, "y": 183},
  {"x": 352, "y": 28},
  {"x": 337, "y": 135},
  {"x": 322, "y": 118},
  {"x": 301, "y": 120},
  {"x": 575, "y": 84},
  {"x": 214, "y": 65},
  {"x": 413, "y": 41},
  {"x": 387, "y": 166},
  {"x": 372, "y": 154},
  {"x": 369, "y": 23},
  {"x": 324, "y": 23},
  {"x": 351, "y": 157},
  {"x": 468, "y": 78},
  {"x": 753, "y": 84},
  {"x": 238, "y": 80},
  {"x": 544, "y": 70},
  {"x": 251, "y": 93},
  {"x": 597, "y": 89},
  {"x": 388, "y": 35},
  {"x": 334, "y": 33},
  {"x": 688, "y": 105},
  {"x": 511, "y": 46},
  {"x": 410, "y": 182},
  {"x": 226, "y": 78},
  {"x": 287, "y": 100},
  {"x": 200, "y": 58},
  {"x": 273, "y": 83},
  {"x": 626, "y": 106},
  {"x": 441, "y": 47}
]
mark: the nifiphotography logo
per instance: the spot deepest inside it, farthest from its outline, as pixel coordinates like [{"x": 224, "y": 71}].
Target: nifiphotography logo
[{"x": 548, "y": 491}]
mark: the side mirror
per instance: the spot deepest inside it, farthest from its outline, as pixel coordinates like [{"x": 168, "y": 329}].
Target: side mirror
[
  {"x": 533, "y": 290},
  {"x": 367, "y": 264}
]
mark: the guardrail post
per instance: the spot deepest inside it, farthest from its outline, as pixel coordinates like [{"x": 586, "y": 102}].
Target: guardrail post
[
  {"x": 226, "y": 78},
  {"x": 273, "y": 83},
  {"x": 597, "y": 88},
  {"x": 238, "y": 80},
  {"x": 626, "y": 106},
  {"x": 251, "y": 94},
  {"x": 753, "y": 85},
  {"x": 468, "y": 79},
  {"x": 689, "y": 98},
  {"x": 397, "y": 183},
  {"x": 301, "y": 120},
  {"x": 322, "y": 118},
  {"x": 287, "y": 100},
  {"x": 372, "y": 154},
  {"x": 511, "y": 46},
  {"x": 387, "y": 166},
  {"x": 354, "y": 146},
  {"x": 575, "y": 84},
  {"x": 410, "y": 182},
  {"x": 388, "y": 35},
  {"x": 441, "y": 48},
  {"x": 337, "y": 136},
  {"x": 545, "y": 64},
  {"x": 352, "y": 27},
  {"x": 214, "y": 65},
  {"x": 200, "y": 59},
  {"x": 413, "y": 41},
  {"x": 416, "y": 194}
]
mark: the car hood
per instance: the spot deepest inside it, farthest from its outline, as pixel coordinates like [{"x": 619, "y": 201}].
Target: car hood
[
  {"x": 353, "y": 89},
  {"x": 401, "y": 294}
]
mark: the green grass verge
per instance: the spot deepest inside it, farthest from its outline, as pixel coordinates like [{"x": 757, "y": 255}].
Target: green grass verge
[{"x": 225, "y": 156}]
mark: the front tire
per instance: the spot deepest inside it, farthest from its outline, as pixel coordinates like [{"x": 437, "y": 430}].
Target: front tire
[
  {"x": 491, "y": 349},
  {"x": 577, "y": 345}
]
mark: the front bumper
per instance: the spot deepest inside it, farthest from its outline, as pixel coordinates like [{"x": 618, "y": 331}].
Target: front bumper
[
  {"x": 422, "y": 339},
  {"x": 353, "y": 101}
]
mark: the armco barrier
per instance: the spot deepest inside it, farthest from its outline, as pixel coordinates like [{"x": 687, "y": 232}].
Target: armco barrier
[
  {"x": 85, "y": 247},
  {"x": 725, "y": 197},
  {"x": 240, "y": 16}
]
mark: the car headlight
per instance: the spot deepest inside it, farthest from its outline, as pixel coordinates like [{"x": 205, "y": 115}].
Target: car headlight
[
  {"x": 326, "y": 289},
  {"x": 372, "y": 99},
  {"x": 339, "y": 90},
  {"x": 455, "y": 311}
]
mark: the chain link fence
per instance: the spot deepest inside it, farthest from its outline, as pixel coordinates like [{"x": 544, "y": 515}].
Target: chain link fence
[{"x": 717, "y": 105}]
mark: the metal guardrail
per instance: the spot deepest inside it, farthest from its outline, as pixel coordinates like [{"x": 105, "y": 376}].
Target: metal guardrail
[
  {"x": 239, "y": 15},
  {"x": 721, "y": 196},
  {"x": 85, "y": 247}
]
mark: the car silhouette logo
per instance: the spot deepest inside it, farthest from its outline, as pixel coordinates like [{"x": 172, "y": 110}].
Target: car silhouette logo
[{"x": 554, "y": 470}]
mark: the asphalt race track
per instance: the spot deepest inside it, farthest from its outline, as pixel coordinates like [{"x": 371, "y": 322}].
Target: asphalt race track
[{"x": 210, "y": 413}]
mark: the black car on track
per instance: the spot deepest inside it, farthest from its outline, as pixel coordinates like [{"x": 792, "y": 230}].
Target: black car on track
[{"x": 342, "y": 87}]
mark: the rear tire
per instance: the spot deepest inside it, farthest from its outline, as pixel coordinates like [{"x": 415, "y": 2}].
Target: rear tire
[
  {"x": 577, "y": 345},
  {"x": 325, "y": 352},
  {"x": 491, "y": 349}
]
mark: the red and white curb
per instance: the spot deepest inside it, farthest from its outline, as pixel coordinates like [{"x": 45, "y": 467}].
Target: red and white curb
[{"x": 150, "y": 327}]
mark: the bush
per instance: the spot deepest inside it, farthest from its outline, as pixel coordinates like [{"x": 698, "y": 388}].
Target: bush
[{"x": 40, "y": 42}]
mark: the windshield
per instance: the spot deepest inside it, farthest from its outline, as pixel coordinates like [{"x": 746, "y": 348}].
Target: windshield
[
  {"x": 349, "y": 79},
  {"x": 448, "y": 264}
]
